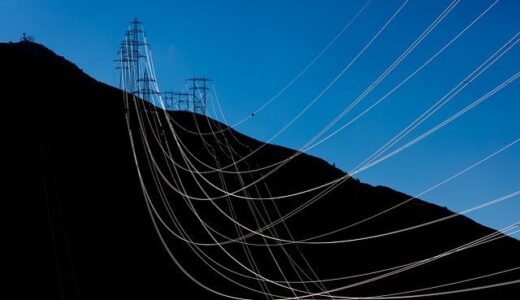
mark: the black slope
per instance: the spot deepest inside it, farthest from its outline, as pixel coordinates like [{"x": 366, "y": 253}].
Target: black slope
[{"x": 78, "y": 226}]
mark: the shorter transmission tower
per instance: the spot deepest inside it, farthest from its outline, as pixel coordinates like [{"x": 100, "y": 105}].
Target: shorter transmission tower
[
  {"x": 183, "y": 101},
  {"x": 193, "y": 100},
  {"x": 198, "y": 89},
  {"x": 177, "y": 101},
  {"x": 169, "y": 101}
]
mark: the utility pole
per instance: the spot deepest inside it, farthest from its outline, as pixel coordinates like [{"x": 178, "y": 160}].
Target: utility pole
[{"x": 198, "y": 89}]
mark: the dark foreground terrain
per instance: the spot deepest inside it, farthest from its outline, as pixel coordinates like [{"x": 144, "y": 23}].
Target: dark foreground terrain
[{"x": 78, "y": 225}]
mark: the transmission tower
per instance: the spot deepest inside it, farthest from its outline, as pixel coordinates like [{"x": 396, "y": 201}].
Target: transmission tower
[
  {"x": 169, "y": 101},
  {"x": 198, "y": 89},
  {"x": 147, "y": 89},
  {"x": 134, "y": 45},
  {"x": 134, "y": 64},
  {"x": 177, "y": 101},
  {"x": 183, "y": 100}
]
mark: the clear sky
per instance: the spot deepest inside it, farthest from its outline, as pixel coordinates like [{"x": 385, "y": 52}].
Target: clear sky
[{"x": 251, "y": 49}]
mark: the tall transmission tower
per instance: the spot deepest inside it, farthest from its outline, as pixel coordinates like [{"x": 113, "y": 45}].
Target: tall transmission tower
[
  {"x": 134, "y": 46},
  {"x": 198, "y": 89},
  {"x": 136, "y": 72}
]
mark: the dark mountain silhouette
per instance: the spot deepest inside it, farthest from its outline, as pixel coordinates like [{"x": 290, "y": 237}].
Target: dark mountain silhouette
[{"x": 78, "y": 225}]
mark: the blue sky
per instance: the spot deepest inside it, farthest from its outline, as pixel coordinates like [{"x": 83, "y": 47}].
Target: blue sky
[{"x": 251, "y": 49}]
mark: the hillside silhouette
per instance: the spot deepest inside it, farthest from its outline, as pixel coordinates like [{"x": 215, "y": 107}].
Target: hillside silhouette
[{"x": 79, "y": 225}]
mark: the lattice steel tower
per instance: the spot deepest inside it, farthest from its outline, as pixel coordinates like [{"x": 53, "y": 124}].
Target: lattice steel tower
[
  {"x": 198, "y": 89},
  {"x": 136, "y": 72}
]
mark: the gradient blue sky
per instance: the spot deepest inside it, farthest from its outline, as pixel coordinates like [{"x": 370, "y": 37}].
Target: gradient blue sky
[{"x": 253, "y": 48}]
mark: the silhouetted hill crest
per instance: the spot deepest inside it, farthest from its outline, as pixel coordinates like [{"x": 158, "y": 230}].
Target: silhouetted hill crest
[{"x": 81, "y": 222}]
